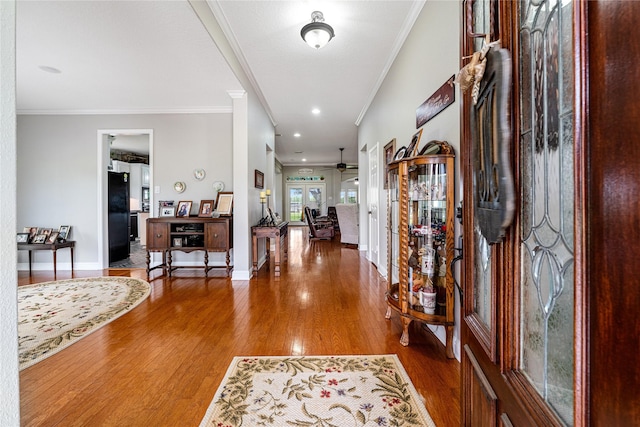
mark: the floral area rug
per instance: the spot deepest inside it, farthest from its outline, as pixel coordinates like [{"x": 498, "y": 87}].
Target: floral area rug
[
  {"x": 323, "y": 391},
  {"x": 54, "y": 315}
]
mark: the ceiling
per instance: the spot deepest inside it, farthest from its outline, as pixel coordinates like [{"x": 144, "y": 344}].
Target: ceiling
[{"x": 128, "y": 57}]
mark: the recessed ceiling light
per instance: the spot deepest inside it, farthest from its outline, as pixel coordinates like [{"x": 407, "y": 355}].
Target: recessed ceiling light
[
  {"x": 297, "y": 135},
  {"x": 49, "y": 69},
  {"x": 304, "y": 160},
  {"x": 316, "y": 111}
]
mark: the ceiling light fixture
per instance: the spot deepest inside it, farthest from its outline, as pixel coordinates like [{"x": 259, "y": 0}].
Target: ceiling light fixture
[
  {"x": 317, "y": 34},
  {"x": 341, "y": 166},
  {"x": 315, "y": 111},
  {"x": 297, "y": 135}
]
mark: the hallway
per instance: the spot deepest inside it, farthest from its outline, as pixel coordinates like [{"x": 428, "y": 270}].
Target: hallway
[{"x": 161, "y": 363}]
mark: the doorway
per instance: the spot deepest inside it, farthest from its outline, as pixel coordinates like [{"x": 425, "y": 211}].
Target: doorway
[
  {"x": 130, "y": 152},
  {"x": 299, "y": 195}
]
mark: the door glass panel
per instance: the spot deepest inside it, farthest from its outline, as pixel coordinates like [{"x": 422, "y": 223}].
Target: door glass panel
[
  {"x": 482, "y": 284},
  {"x": 547, "y": 253},
  {"x": 295, "y": 204},
  {"x": 314, "y": 199}
]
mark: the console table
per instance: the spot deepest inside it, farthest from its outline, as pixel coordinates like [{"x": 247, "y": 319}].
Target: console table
[
  {"x": 53, "y": 247},
  {"x": 279, "y": 232},
  {"x": 189, "y": 234}
]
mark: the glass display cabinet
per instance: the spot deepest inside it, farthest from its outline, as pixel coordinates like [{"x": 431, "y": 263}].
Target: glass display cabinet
[{"x": 420, "y": 242}]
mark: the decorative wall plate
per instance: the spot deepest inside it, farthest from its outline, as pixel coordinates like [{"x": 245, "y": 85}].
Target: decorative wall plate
[
  {"x": 218, "y": 186},
  {"x": 400, "y": 153},
  {"x": 199, "y": 174},
  {"x": 179, "y": 186}
]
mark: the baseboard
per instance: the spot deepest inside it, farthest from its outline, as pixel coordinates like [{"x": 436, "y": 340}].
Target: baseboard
[{"x": 240, "y": 275}]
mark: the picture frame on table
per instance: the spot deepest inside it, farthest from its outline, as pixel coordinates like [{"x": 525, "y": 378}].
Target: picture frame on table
[
  {"x": 184, "y": 209},
  {"x": 177, "y": 242},
  {"x": 53, "y": 237},
  {"x": 33, "y": 231},
  {"x": 206, "y": 208},
  {"x": 224, "y": 203},
  {"x": 259, "y": 179},
  {"x": 64, "y": 232},
  {"x": 22, "y": 238},
  {"x": 389, "y": 153},
  {"x": 40, "y": 238},
  {"x": 167, "y": 211},
  {"x": 413, "y": 146}
]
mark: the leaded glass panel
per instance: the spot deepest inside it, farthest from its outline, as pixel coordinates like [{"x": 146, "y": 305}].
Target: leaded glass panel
[{"x": 546, "y": 138}]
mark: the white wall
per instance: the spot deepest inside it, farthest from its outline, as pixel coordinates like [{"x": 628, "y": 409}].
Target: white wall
[
  {"x": 423, "y": 64},
  {"x": 9, "y": 383},
  {"x": 57, "y": 172}
]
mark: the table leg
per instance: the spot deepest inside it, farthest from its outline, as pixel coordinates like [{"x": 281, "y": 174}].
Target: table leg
[
  {"x": 29, "y": 263},
  {"x": 267, "y": 247},
  {"x": 277, "y": 260},
  {"x": 206, "y": 263},
  {"x": 255, "y": 254},
  {"x": 55, "y": 261},
  {"x": 169, "y": 262},
  {"x": 71, "y": 261}
]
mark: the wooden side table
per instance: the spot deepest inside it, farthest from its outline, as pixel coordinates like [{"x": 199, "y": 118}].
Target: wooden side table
[
  {"x": 279, "y": 232},
  {"x": 53, "y": 247}
]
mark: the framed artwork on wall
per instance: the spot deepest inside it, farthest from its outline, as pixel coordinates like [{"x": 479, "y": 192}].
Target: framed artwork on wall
[
  {"x": 389, "y": 152},
  {"x": 259, "y": 179}
]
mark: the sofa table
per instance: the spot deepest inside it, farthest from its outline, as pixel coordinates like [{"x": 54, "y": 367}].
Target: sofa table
[
  {"x": 278, "y": 232},
  {"x": 53, "y": 247}
]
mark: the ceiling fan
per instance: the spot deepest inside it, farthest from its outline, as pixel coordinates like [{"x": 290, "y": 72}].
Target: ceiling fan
[{"x": 343, "y": 166}]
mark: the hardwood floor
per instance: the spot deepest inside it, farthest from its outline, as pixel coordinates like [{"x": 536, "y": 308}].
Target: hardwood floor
[{"x": 161, "y": 363}]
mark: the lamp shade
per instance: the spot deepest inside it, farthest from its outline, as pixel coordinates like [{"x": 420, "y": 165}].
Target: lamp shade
[{"x": 317, "y": 34}]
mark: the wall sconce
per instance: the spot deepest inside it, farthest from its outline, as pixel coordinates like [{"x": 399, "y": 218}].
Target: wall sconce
[{"x": 317, "y": 34}]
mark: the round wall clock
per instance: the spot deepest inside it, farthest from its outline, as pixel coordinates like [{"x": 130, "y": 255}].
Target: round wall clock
[
  {"x": 179, "y": 186},
  {"x": 199, "y": 174}
]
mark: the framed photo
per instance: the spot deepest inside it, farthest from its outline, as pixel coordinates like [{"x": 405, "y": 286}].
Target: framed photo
[
  {"x": 40, "y": 238},
  {"x": 184, "y": 208},
  {"x": 64, "y": 231},
  {"x": 22, "y": 238},
  {"x": 413, "y": 147},
  {"x": 53, "y": 237},
  {"x": 177, "y": 242},
  {"x": 167, "y": 211},
  {"x": 389, "y": 153},
  {"x": 33, "y": 231},
  {"x": 259, "y": 178},
  {"x": 45, "y": 231},
  {"x": 224, "y": 203},
  {"x": 206, "y": 208}
]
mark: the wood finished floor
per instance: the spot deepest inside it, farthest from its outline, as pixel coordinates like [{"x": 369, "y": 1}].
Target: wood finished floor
[{"x": 161, "y": 363}]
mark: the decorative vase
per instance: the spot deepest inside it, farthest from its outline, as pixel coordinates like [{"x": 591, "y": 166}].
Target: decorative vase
[{"x": 428, "y": 302}]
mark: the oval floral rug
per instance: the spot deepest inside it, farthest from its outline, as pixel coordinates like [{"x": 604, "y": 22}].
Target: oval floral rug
[{"x": 54, "y": 315}]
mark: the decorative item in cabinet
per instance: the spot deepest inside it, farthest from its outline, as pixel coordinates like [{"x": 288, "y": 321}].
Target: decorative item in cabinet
[{"x": 420, "y": 242}]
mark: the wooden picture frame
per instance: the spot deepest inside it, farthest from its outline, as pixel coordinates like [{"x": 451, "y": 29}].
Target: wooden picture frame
[
  {"x": 52, "y": 238},
  {"x": 224, "y": 203},
  {"x": 33, "y": 232},
  {"x": 413, "y": 146},
  {"x": 64, "y": 232},
  {"x": 259, "y": 179},
  {"x": 184, "y": 209},
  {"x": 22, "y": 238},
  {"x": 167, "y": 211},
  {"x": 206, "y": 208},
  {"x": 389, "y": 153}
]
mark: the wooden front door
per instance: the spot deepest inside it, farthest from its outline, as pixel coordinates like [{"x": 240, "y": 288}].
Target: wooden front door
[{"x": 549, "y": 330}]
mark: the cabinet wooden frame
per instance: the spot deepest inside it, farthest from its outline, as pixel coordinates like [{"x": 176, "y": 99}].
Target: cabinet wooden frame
[{"x": 403, "y": 213}]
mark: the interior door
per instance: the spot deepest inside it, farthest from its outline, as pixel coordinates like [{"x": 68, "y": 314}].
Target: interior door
[
  {"x": 373, "y": 200},
  {"x": 518, "y": 321}
]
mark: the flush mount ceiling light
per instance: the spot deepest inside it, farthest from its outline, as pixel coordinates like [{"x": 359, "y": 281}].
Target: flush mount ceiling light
[{"x": 317, "y": 34}]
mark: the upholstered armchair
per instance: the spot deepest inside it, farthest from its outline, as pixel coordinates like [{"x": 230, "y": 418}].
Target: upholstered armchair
[
  {"x": 318, "y": 229},
  {"x": 348, "y": 220}
]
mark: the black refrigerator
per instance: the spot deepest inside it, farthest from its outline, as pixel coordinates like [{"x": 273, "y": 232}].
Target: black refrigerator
[{"x": 119, "y": 216}]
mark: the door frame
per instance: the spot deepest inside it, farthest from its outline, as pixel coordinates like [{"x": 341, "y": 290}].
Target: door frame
[
  {"x": 303, "y": 184},
  {"x": 102, "y": 184}
]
